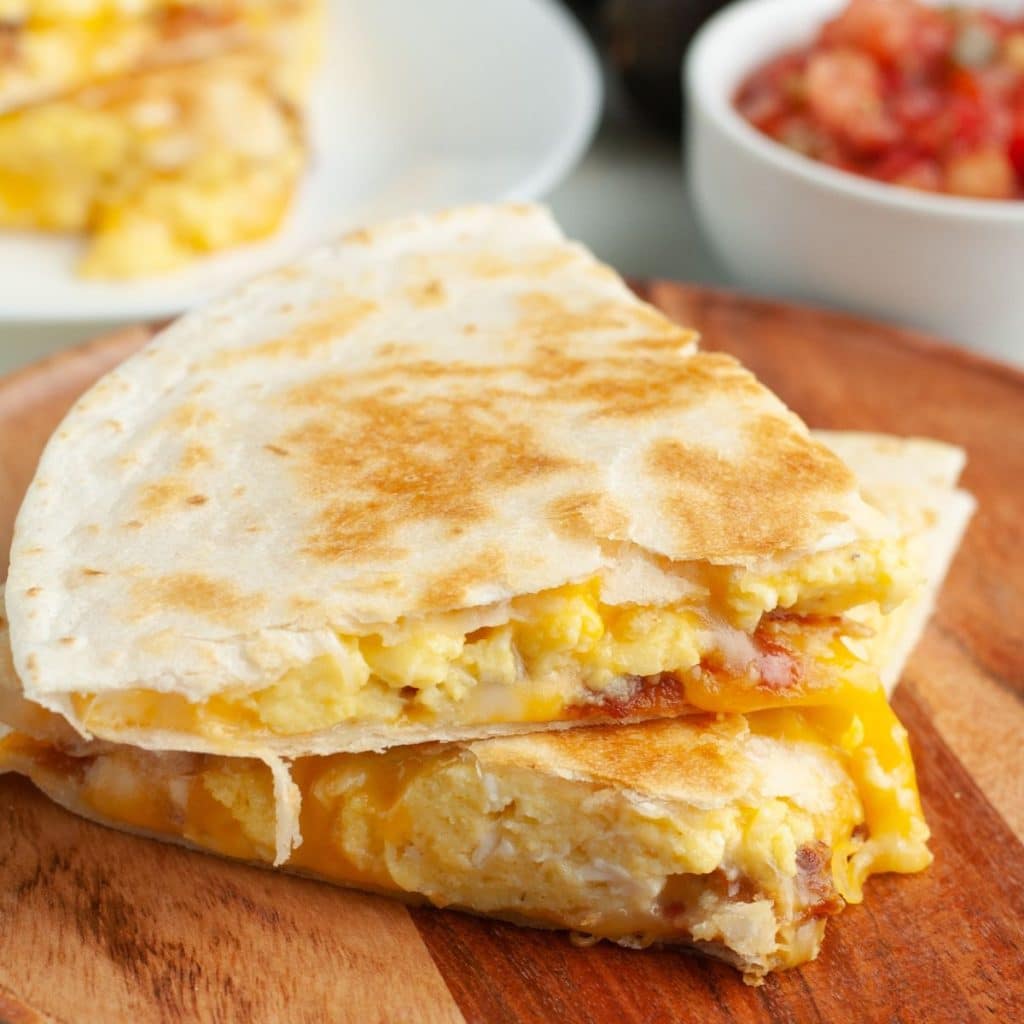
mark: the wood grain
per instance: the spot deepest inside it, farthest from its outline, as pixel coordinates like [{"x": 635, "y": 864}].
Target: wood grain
[
  {"x": 96, "y": 926},
  {"x": 100, "y": 926}
]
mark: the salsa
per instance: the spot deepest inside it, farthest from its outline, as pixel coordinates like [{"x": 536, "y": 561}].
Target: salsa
[{"x": 925, "y": 97}]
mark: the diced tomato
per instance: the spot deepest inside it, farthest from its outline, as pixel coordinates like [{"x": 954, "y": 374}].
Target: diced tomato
[
  {"x": 968, "y": 121},
  {"x": 844, "y": 91},
  {"x": 923, "y": 175},
  {"x": 981, "y": 174},
  {"x": 895, "y": 163},
  {"x": 897, "y": 32},
  {"x": 966, "y": 84},
  {"x": 1015, "y": 154}
]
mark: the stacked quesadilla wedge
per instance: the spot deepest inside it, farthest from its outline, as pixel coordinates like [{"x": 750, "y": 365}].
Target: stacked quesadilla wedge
[{"x": 382, "y": 568}]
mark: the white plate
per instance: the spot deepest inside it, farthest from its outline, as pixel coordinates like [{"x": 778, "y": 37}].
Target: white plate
[{"x": 421, "y": 104}]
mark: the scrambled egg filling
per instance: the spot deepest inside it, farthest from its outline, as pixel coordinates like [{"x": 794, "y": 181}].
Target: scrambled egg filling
[
  {"x": 826, "y": 583},
  {"x": 559, "y": 650},
  {"x": 450, "y": 825}
]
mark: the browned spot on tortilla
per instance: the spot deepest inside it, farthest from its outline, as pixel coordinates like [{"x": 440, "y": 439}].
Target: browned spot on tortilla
[
  {"x": 66, "y": 640},
  {"x": 360, "y": 236},
  {"x": 670, "y": 344},
  {"x": 759, "y": 502},
  {"x": 625, "y": 384},
  {"x": 195, "y": 455},
  {"x": 196, "y": 499},
  {"x": 587, "y": 516},
  {"x": 372, "y": 464},
  {"x": 300, "y": 604},
  {"x": 33, "y": 591},
  {"x": 426, "y": 294},
  {"x": 536, "y": 265},
  {"x": 87, "y": 571},
  {"x": 188, "y": 416},
  {"x": 702, "y": 753},
  {"x": 395, "y": 350},
  {"x": 326, "y": 324},
  {"x": 133, "y": 524},
  {"x": 217, "y": 601},
  {"x": 451, "y": 589},
  {"x": 275, "y": 449},
  {"x": 547, "y": 317},
  {"x": 159, "y": 496}
]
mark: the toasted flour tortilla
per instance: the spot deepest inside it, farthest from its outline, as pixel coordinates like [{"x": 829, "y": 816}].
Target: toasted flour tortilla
[{"x": 437, "y": 415}]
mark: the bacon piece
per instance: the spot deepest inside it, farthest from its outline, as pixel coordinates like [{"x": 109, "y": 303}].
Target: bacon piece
[
  {"x": 815, "y": 887},
  {"x": 776, "y": 667},
  {"x": 657, "y": 696}
]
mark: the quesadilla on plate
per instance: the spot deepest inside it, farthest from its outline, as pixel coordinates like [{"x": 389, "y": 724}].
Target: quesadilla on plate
[{"x": 734, "y": 834}]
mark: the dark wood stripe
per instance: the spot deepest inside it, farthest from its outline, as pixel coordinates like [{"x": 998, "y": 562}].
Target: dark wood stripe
[{"x": 15, "y": 1011}]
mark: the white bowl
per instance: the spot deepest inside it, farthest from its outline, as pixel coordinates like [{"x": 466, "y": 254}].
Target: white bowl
[{"x": 784, "y": 224}]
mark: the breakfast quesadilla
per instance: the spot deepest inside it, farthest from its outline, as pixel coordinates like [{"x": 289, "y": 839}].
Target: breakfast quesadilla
[
  {"x": 735, "y": 834},
  {"x": 160, "y": 130},
  {"x": 442, "y": 480}
]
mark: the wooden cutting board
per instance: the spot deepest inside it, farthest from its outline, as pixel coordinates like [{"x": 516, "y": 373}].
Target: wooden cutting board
[{"x": 97, "y": 926}]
